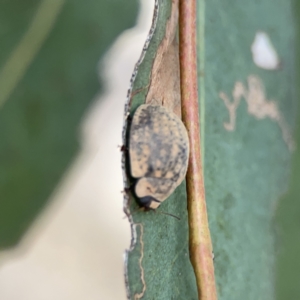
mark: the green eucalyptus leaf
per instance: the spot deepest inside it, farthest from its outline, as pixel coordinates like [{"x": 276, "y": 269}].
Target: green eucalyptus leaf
[
  {"x": 157, "y": 265},
  {"x": 250, "y": 116},
  {"x": 248, "y": 109},
  {"x": 288, "y": 210}
]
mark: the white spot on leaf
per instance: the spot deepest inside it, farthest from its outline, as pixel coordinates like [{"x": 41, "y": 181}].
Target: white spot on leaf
[{"x": 263, "y": 52}]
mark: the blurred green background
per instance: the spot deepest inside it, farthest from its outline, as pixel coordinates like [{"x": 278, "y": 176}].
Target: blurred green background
[
  {"x": 48, "y": 77},
  {"x": 54, "y": 79}
]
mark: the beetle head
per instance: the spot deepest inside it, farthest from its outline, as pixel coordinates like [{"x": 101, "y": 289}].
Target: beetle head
[{"x": 149, "y": 202}]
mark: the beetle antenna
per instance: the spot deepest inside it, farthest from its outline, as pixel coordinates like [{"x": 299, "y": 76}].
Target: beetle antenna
[
  {"x": 167, "y": 214},
  {"x": 156, "y": 211}
]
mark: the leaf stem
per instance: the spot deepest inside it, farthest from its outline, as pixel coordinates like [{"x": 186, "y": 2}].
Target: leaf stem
[{"x": 200, "y": 240}]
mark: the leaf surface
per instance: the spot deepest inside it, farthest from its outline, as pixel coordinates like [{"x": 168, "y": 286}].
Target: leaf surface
[{"x": 248, "y": 114}]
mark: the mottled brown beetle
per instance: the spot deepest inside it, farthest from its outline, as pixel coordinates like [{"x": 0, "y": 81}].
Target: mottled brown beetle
[{"x": 158, "y": 153}]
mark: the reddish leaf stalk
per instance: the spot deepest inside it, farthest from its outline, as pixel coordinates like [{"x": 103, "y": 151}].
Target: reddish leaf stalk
[{"x": 200, "y": 240}]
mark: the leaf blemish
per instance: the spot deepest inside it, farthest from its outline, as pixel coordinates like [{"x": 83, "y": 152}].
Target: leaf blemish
[
  {"x": 257, "y": 105},
  {"x": 263, "y": 52},
  {"x": 141, "y": 294}
]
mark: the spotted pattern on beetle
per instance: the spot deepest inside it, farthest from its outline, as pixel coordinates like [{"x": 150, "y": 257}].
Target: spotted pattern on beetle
[{"x": 158, "y": 151}]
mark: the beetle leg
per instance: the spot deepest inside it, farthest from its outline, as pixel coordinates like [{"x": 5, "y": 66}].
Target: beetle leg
[{"x": 123, "y": 148}]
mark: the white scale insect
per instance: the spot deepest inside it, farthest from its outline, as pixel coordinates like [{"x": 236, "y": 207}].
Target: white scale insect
[{"x": 158, "y": 154}]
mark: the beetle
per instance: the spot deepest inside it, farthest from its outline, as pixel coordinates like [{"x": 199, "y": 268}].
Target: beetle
[{"x": 158, "y": 154}]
